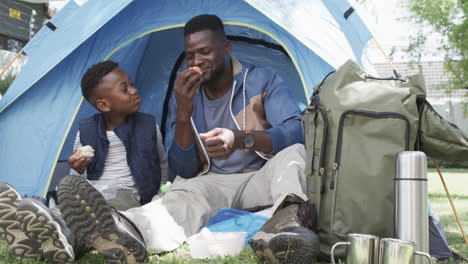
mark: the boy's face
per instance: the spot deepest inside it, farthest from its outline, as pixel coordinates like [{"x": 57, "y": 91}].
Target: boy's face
[{"x": 116, "y": 93}]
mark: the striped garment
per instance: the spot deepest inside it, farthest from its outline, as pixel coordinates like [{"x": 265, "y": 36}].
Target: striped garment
[{"x": 117, "y": 175}]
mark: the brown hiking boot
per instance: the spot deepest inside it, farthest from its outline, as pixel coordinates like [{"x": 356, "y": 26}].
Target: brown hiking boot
[
  {"x": 21, "y": 246},
  {"x": 288, "y": 236},
  {"x": 93, "y": 221},
  {"x": 43, "y": 226}
]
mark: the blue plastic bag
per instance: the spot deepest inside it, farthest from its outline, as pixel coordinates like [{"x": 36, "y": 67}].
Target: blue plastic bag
[{"x": 232, "y": 220}]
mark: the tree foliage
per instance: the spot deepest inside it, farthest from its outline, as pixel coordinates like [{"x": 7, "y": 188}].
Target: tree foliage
[{"x": 448, "y": 18}]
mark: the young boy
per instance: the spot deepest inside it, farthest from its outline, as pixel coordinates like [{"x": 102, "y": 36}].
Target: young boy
[
  {"x": 120, "y": 136},
  {"x": 127, "y": 168}
]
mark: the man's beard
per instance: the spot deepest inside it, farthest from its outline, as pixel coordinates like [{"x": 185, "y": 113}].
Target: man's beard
[{"x": 215, "y": 75}]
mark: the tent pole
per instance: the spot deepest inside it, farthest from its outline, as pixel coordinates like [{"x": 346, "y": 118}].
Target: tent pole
[
  {"x": 395, "y": 72},
  {"x": 451, "y": 202},
  {"x": 11, "y": 62}
]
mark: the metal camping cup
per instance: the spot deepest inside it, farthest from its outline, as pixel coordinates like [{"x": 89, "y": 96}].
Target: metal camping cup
[
  {"x": 363, "y": 249},
  {"x": 396, "y": 251}
]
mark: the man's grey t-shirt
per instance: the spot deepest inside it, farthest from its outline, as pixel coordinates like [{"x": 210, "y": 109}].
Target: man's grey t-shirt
[{"x": 217, "y": 114}]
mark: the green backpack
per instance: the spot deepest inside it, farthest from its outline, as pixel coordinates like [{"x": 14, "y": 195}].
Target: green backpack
[{"x": 354, "y": 127}]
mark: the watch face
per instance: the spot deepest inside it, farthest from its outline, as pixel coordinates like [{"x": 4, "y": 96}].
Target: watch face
[{"x": 249, "y": 140}]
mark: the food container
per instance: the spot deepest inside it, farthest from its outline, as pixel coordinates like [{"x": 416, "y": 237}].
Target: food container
[{"x": 208, "y": 244}]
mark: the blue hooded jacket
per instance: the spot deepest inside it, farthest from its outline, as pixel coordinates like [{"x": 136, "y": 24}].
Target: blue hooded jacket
[{"x": 260, "y": 100}]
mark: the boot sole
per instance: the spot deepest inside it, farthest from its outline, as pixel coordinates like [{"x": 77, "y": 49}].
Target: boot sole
[
  {"x": 88, "y": 215},
  {"x": 20, "y": 245},
  {"x": 261, "y": 248},
  {"x": 293, "y": 248},
  {"x": 39, "y": 226}
]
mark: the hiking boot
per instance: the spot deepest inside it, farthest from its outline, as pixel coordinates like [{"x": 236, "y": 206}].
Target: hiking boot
[
  {"x": 20, "y": 245},
  {"x": 97, "y": 224},
  {"x": 288, "y": 236},
  {"x": 40, "y": 224}
]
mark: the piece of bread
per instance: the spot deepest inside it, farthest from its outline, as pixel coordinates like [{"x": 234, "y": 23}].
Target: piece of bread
[
  {"x": 85, "y": 152},
  {"x": 198, "y": 69}
]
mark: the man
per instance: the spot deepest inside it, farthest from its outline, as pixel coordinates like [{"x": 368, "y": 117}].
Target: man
[
  {"x": 234, "y": 134},
  {"x": 245, "y": 114}
]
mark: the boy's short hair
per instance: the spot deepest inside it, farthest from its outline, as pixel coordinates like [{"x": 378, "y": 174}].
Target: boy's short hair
[
  {"x": 204, "y": 22},
  {"x": 94, "y": 75}
]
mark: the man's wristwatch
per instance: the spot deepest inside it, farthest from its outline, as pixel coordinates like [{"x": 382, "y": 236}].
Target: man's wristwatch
[{"x": 249, "y": 139}]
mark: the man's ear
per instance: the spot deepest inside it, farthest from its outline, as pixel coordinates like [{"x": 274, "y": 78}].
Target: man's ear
[
  {"x": 102, "y": 105},
  {"x": 227, "y": 47}
]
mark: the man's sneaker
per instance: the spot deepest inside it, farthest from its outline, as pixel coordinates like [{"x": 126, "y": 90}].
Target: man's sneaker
[
  {"x": 288, "y": 236},
  {"x": 41, "y": 225},
  {"x": 21, "y": 246},
  {"x": 93, "y": 221}
]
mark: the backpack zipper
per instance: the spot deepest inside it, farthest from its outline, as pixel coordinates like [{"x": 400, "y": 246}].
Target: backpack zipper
[
  {"x": 336, "y": 165},
  {"x": 323, "y": 147}
]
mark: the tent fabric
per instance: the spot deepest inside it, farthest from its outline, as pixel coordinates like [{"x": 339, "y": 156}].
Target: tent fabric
[
  {"x": 348, "y": 35},
  {"x": 438, "y": 245},
  {"x": 40, "y": 111},
  {"x": 41, "y": 37}
]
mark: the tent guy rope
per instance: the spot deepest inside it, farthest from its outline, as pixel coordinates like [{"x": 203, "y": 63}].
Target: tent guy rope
[
  {"x": 395, "y": 72},
  {"x": 451, "y": 202}
]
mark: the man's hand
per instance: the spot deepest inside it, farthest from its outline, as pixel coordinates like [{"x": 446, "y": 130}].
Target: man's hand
[
  {"x": 186, "y": 84},
  {"x": 77, "y": 162},
  {"x": 219, "y": 142}
]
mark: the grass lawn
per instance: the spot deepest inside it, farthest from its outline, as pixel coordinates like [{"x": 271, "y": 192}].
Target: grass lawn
[{"x": 457, "y": 183}]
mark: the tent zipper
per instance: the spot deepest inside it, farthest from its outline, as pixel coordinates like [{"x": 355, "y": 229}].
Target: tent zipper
[{"x": 336, "y": 164}]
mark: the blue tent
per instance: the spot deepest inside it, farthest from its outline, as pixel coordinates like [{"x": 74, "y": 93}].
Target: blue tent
[{"x": 302, "y": 39}]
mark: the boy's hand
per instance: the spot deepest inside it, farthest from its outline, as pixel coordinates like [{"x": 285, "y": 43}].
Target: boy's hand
[
  {"x": 219, "y": 142},
  {"x": 77, "y": 162}
]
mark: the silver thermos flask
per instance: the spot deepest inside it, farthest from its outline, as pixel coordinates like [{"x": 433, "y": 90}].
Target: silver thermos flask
[{"x": 411, "y": 214}]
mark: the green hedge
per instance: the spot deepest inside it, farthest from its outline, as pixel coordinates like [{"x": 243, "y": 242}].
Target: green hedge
[{"x": 5, "y": 83}]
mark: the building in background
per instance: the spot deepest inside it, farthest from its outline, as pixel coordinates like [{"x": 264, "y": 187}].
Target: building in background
[{"x": 19, "y": 22}]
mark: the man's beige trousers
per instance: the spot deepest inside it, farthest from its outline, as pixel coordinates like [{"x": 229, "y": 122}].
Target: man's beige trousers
[{"x": 167, "y": 222}]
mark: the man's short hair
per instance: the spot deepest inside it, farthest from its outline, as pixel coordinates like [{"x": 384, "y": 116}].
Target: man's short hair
[
  {"x": 204, "y": 22},
  {"x": 94, "y": 75}
]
